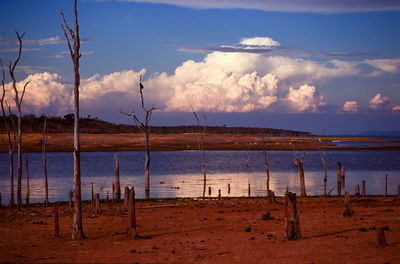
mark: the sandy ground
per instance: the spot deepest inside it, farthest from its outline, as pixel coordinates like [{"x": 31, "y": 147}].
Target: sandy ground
[{"x": 211, "y": 231}]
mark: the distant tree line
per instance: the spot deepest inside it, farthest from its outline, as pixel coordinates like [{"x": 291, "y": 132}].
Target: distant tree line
[{"x": 89, "y": 125}]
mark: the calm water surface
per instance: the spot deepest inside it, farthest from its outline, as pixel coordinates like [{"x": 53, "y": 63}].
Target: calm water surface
[{"x": 179, "y": 173}]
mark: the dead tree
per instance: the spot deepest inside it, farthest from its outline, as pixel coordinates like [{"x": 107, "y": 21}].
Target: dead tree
[
  {"x": 98, "y": 205},
  {"x": 8, "y": 125},
  {"x": 200, "y": 141},
  {"x": 265, "y": 162},
  {"x": 77, "y": 227},
  {"x": 348, "y": 212},
  {"x": 339, "y": 179},
  {"x": 343, "y": 178},
  {"x": 18, "y": 102},
  {"x": 126, "y": 198},
  {"x": 28, "y": 191},
  {"x": 44, "y": 143},
  {"x": 299, "y": 163},
  {"x": 117, "y": 184},
  {"x": 292, "y": 220},
  {"x": 323, "y": 157},
  {"x": 145, "y": 128},
  {"x": 56, "y": 221}
]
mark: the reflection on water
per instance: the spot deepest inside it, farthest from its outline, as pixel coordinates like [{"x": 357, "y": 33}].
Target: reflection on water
[{"x": 179, "y": 173}]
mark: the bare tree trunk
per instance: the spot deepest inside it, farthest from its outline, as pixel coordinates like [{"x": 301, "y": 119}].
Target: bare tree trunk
[
  {"x": 126, "y": 198},
  {"x": 77, "y": 227},
  {"x": 339, "y": 179},
  {"x": 265, "y": 163},
  {"x": 46, "y": 185},
  {"x": 299, "y": 163},
  {"x": 201, "y": 148},
  {"x": 357, "y": 190},
  {"x": 8, "y": 122},
  {"x": 28, "y": 191},
  {"x": 92, "y": 200},
  {"x": 292, "y": 220},
  {"x": 98, "y": 205},
  {"x": 147, "y": 165},
  {"x": 18, "y": 101},
  {"x": 343, "y": 177},
  {"x": 323, "y": 157},
  {"x": 117, "y": 184},
  {"x": 363, "y": 188},
  {"x": 56, "y": 221},
  {"x": 348, "y": 212}
]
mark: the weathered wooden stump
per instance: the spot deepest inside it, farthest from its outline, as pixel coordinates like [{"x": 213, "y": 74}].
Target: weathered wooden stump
[
  {"x": 386, "y": 184},
  {"x": 339, "y": 179},
  {"x": 249, "y": 190},
  {"x": 131, "y": 230},
  {"x": 357, "y": 191},
  {"x": 380, "y": 234},
  {"x": 271, "y": 196},
  {"x": 219, "y": 194},
  {"x": 70, "y": 199},
  {"x": 292, "y": 221},
  {"x": 348, "y": 211},
  {"x": 98, "y": 205},
  {"x": 209, "y": 190},
  {"x": 126, "y": 197},
  {"x": 343, "y": 178},
  {"x": 299, "y": 163},
  {"x": 56, "y": 221},
  {"x": 229, "y": 188},
  {"x": 363, "y": 188},
  {"x": 107, "y": 200}
]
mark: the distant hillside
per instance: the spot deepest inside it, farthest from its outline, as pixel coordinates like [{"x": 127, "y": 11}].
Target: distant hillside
[{"x": 33, "y": 124}]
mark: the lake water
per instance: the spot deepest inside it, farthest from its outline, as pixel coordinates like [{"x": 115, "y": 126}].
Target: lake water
[{"x": 179, "y": 173}]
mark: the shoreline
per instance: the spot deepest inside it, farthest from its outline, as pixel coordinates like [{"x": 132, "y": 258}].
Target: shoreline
[{"x": 188, "y": 141}]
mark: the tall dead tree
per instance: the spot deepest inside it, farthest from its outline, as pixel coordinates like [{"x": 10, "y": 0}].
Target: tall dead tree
[
  {"x": 8, "y": 125},
  {"x": 323, "y": 157},
  {"x": 145, "y": 129},
  {"x": 299, "y": 163},
  {"x": 200, "y": 141},
  {"x": 265, "y": 162},
  {"x": 18, "y": 102},
  {"x": 77, "y": 227},
  {"x": 44, "y": 143}
]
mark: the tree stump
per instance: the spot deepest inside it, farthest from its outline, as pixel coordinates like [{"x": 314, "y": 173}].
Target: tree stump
[
  {"x": 107, "y": 200},
  {"x": 249, "y": 190},
  {"x": 299, "y": 163},
  {"x": 357, "y": 191},
  {"x": 229, "y": 188},
  {"x": 126, "y": 197},
  {"x": 292, "y": 221},
  {"x": 219, "y": 194},
  {"x": 56, "y": 222},
  {"x": 271, "y": 196},
  {"x": 363, "y": 188},
  {"x": 131, "y": 230},
  {"x": 117, "y": 184},
  {"x": 209, "y": 190},
  {"x": 98, "y": 205},
  {"x": 339, "y": 179},
  {"x": 70, "y": 199},
  {"x": 343, "y": 178},
  {"x": 380, "y": 233},
  {"x": 348, "y": 211}
]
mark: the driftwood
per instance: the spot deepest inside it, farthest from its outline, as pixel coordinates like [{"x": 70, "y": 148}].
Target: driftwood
[
  {"x": 44, "y": 143},
  {"x": 77, "y": 226},
  {"x": 348, "y": 211},
  {"x": 292, "y": 221},
  {"x": 339, "y": 179},
  {"x": 56, "y": 221},
  {"x": 380, "y": 235},
  {"x": 357, "y": 191},
  {"x": 299, "y": 163},
  {"x": 98, "y": 204},
  {"x": 131, "y": 230},
  {"x": 363, "y": 188},
  {"x": 9, "y": 123},
  {"x": 117, "y": 184},
  {"x": 28, "y": 191}
]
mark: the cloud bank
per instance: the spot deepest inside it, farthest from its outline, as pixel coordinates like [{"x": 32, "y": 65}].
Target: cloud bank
[
  {"x": 222, "y": 82},
  {"x": 326, "y": 6}
]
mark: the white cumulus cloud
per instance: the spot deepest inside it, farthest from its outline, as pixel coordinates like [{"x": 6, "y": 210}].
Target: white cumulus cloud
[
  {"x": 351, "y": 107},
  {"x": 379, "y": 102},
  {"x": 305, "y": 98}
]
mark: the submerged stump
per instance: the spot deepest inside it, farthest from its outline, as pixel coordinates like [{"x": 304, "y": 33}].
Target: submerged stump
[
  {"x": 131, "y": 230},
  {"x": 292, "y": 221}
]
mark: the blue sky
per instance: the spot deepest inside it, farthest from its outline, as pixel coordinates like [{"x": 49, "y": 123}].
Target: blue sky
[{"x": 331, "y": 66}]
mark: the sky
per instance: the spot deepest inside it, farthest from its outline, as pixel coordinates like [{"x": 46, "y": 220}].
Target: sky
[{"x": 327, "y": 67}]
